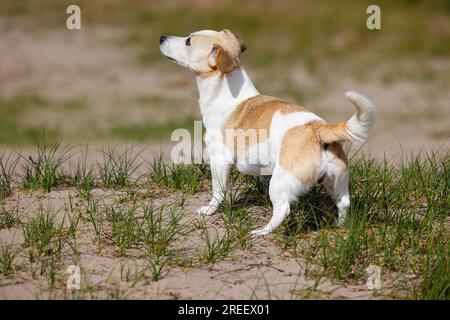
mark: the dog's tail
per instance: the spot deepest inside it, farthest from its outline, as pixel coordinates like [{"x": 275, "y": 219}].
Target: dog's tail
[{"x": 356, "y": 129}]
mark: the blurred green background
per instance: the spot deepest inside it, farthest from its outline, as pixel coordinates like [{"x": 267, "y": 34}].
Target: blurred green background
[{"x": 108, "y": 81}]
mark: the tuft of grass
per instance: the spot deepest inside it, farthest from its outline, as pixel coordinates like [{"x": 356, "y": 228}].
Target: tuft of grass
[
  {"x": 238, "y": 223},
  {"x": 7, "y": 166},
  {"x": 129, "y": 273},
  {"x": 74, "y": 216},
  {"x": 158, "y": 266},
  {"x": 84, "y": 179},
  {"x": 249, "y": 190},
  {"x": 294, "y": 227},
  {"x": 184, "y": 177},
  {"x": 216, "y": 247},
  {"x": 7, "y": 257},
  {"x": 43, "y": 235},
  {"x": 160, "y": 228},
  {"x": 95, "y": 216},
  {"x": 8, "y": 217},
  {"x": 125, "y": 227},
  {"x": 117, "y": 168},
  {"x": 436, "y": 283},
  {"x": 44, "y": 170}
]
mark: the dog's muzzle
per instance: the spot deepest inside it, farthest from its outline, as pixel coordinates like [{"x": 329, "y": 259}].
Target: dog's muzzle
[
  {"x": 165, "y": 50},
  {"x": 162, "y": 39}
]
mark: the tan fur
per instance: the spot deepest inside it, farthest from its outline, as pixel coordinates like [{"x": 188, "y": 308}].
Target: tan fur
[
  {"x": 300, "y": 152},
  {"x": 225, "y": 61},
  {"x": 330, "y": 132},
  {"x": 225, "y": 46},
  {"x": 256, "y": 113},
  {"x": 339, "y": 157},
  {"x": 241, "y": 43}
]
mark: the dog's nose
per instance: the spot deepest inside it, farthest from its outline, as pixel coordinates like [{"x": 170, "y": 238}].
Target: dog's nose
[{"x": 162, "y": 39}]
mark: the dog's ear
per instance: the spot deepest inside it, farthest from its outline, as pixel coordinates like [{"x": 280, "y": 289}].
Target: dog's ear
[
  {"x": 223, "y": 60},
  {"x": 241, "y": 43}
]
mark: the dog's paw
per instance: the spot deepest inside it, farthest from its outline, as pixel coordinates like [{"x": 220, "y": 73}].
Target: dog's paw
[
  {"x": 339, "y": 222},
  {"x": 206, "y": 210},
  {"x": 260, "y": 232}
]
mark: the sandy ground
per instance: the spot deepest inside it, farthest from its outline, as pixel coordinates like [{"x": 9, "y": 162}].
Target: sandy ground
[{"x": 265, "y": 271}]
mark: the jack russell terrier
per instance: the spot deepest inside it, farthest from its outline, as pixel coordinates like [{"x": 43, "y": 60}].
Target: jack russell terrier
[{"x": 285, "y": 141}]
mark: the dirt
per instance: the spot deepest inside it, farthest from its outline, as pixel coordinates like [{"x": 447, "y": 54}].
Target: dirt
[{"x": 265, "y": 271}]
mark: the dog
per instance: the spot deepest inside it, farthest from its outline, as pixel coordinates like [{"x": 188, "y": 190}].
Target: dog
[{"x": 291, "y": 144}]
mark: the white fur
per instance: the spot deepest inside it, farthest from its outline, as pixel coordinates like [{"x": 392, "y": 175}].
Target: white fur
[{"x": 360, "y": 124}]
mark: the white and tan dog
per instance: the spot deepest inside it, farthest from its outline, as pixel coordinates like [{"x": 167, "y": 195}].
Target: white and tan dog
[{"x": 293, "y": 145}]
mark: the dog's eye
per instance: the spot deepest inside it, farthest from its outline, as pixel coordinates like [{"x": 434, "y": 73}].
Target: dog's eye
[{"x": 188, "y": 41}]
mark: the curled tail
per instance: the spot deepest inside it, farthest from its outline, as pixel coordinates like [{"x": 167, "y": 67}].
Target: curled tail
[{"x": 356, "y": 129}]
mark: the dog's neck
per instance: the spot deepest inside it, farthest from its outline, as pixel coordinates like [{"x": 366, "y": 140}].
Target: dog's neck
[{"x": 221, "y": 94}]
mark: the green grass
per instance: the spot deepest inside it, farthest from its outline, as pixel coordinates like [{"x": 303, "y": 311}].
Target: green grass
[
  {"x": 93, "y": 214},
  {"x": 117, "y": 168},
  {"x": 397, "y": 221},
  {"x": 237, "y": 220},
  {"x": 157, "y": 266},
  {"x": 134, "y": 223},
  {"x": 9, "y": 217},
  {"x": 44, "y": 170},
  {"x": 216, "y": 247},
  {"x": 43, "y": 234},
  {"x": 184, "y": 177},
  {"x": 129, "y": 273},
  {"x": 8, "y": 164},
  {"x": 83, "y": 178},
  {"x": 7, "y": 256},
  {"x": 125, "y": 226},
  {"x": 74, "y": 216},
  {"x": 436, "y": 283},
  {"x": 160, "y": 228}
]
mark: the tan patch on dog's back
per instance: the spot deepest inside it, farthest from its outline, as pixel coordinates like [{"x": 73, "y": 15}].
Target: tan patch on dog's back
[
  {"x": 256, "y": 114},
  {"x": 300, "y": 153}
]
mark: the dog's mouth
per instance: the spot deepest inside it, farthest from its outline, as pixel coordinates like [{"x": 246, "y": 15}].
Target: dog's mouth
[
  {"x": 176, "y": 61},
  {"x": 171, "y": 59}
]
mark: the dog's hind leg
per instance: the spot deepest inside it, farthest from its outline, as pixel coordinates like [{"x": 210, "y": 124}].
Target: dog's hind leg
[
  {"x": 284, "y": 188},
  {"x": 336, "y": 181},
  {"x": 279, "y": 195},
  {"x": 295, "y": 173}
]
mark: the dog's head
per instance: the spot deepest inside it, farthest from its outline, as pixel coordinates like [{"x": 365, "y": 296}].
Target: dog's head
[{"x": 204, "y": 51}]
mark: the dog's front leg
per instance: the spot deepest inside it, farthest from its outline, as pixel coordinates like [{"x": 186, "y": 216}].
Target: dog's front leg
[{"x": 220, "y": 183}]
